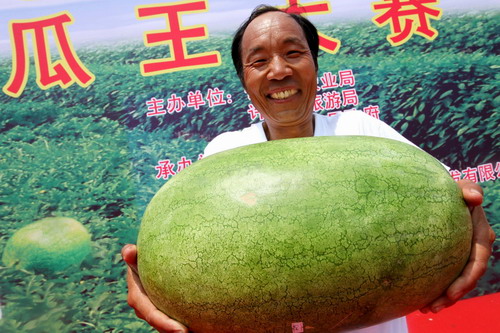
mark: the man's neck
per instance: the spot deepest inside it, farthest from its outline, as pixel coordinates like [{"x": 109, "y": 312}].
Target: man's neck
[{"x": 300, "y": 131}]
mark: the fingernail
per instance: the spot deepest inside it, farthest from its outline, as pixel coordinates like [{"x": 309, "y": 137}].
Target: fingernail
[
  {"x": 475, "y": 191},
  {"x": 437, "y": 308},
  {"x": 456, "y": 296},
  {"x": 124, "y": 248}
]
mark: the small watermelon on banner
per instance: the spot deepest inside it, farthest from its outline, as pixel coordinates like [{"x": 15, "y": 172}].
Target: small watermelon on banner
[{"x": 49, "y": 245}]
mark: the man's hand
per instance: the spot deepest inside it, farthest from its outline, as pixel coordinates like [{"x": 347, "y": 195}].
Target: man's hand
[
  {"x": 482, "y": 241},
  {"x": 138, "y": 299}
]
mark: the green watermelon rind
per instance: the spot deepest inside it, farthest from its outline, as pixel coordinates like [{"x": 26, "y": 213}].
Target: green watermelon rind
[{"x": 215, "y": 274}]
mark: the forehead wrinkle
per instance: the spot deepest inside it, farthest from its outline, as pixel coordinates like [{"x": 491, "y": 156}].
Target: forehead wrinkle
[
  {"x": 267, "y": 27},
  {"x": 286, "y": 41},
  {"x": 293, "y": 40}
]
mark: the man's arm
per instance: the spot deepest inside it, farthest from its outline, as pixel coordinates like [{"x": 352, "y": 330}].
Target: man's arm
[
  {"x": 483, "y": 237},
  {"x": 140, "y": 302}
]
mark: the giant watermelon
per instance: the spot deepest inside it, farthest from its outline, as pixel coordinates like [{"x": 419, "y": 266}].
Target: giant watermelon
[{"x": 326, "y": 232}]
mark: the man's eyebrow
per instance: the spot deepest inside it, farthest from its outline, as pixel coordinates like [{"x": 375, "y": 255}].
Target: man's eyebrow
[
  {"x": 293, "y": 40},
  {"x": 255, "y": 49},
  {"x": 288, "y": 40}
]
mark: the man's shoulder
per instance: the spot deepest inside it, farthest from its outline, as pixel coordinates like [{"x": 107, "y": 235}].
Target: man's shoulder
[
  {"x": 354, "y": 115},
  {"x": 345, "y": 123},
  {"x": 234, "y": 139}
]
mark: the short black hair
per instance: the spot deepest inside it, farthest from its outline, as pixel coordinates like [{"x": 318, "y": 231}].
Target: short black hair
[{"x": 309, "y": 29}]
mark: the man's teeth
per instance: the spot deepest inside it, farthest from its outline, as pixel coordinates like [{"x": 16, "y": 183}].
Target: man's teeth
[{"x": 284, "y": 94}]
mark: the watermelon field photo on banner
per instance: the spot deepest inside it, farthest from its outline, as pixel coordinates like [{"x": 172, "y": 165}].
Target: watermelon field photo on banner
[{"x": 105, "y": 102}]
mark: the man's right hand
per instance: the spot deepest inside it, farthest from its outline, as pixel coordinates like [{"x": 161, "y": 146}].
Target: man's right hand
[{"x": 140, "y": 302}]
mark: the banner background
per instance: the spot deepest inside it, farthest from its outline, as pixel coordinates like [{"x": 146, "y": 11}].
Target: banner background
[{"x": 91, "y": 153}]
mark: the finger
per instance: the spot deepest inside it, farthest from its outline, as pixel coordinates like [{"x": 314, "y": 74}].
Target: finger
[
  {"x": 146, "y": 310},
  {"x": 129, "y": 255},
  {"x": 472, "y": 192},
  {"x": 438, "y": 304},
  {"x": 134, "y": 283},
  {"x": 483, "y": 237},
  {"x": 162, "y": 323}
]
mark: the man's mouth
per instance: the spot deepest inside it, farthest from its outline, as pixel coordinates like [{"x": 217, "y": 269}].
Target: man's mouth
[{"x": 283, "y": 94}]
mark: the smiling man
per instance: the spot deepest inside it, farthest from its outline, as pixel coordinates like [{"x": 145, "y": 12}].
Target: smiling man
[
  {"x": 279, "y": 75},
  {"x": 275, "y": 56}
]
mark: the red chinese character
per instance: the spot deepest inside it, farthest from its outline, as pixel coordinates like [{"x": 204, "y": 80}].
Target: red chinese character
[
  {"x": 350, "y": 97},
  {"x": 215, "y": 97},
  {"x": 497, "y": 169},
  {"x": 175, "y": 104},
  {"x": 328, "y": 81},
  {"x": 327, "y": 44},
  {"x": 64, "y": 72},
  {"x": 456, "y": 175},
  {"x": 372, "y": 110},
  {"x": 486, "y": 172},
  {"x": 165, "y": 169},
  {"x": 156, "y": 107},
  {"x": 407, "y": 17},
  {"x": 331, "y": 114},
  {"x": 318, "y": 103},
  {"x": 175, "y": 37},
  {"x": 470, "y": 173},
  {"x": 346, "y": 78},
  {"x": 195, "y": 100},
  {"x": 254, "y": 113},
  {"x": 183, "y": 163},
  {"x": 332, "y": 100}
]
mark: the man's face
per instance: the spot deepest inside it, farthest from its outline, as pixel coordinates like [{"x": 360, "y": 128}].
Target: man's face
[{"x": 278, "y": 69}]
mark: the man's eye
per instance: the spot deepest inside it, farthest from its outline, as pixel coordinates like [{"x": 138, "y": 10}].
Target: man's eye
[
  {"x": 259, "y": 62},
  {"x": 293, "y": 53}
]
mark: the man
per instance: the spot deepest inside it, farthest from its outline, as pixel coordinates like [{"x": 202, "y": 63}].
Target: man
[{"x": 275, "y": 55}]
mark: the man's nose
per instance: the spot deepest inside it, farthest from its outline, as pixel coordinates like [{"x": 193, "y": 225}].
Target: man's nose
[{"x": 278, "y": 69}]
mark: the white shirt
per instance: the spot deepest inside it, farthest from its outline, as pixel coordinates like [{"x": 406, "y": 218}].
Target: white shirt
[{"x": 344, "y": 123}]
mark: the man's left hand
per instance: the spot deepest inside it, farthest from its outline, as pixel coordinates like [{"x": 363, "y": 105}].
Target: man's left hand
[{"x": 482, "y": 241}]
